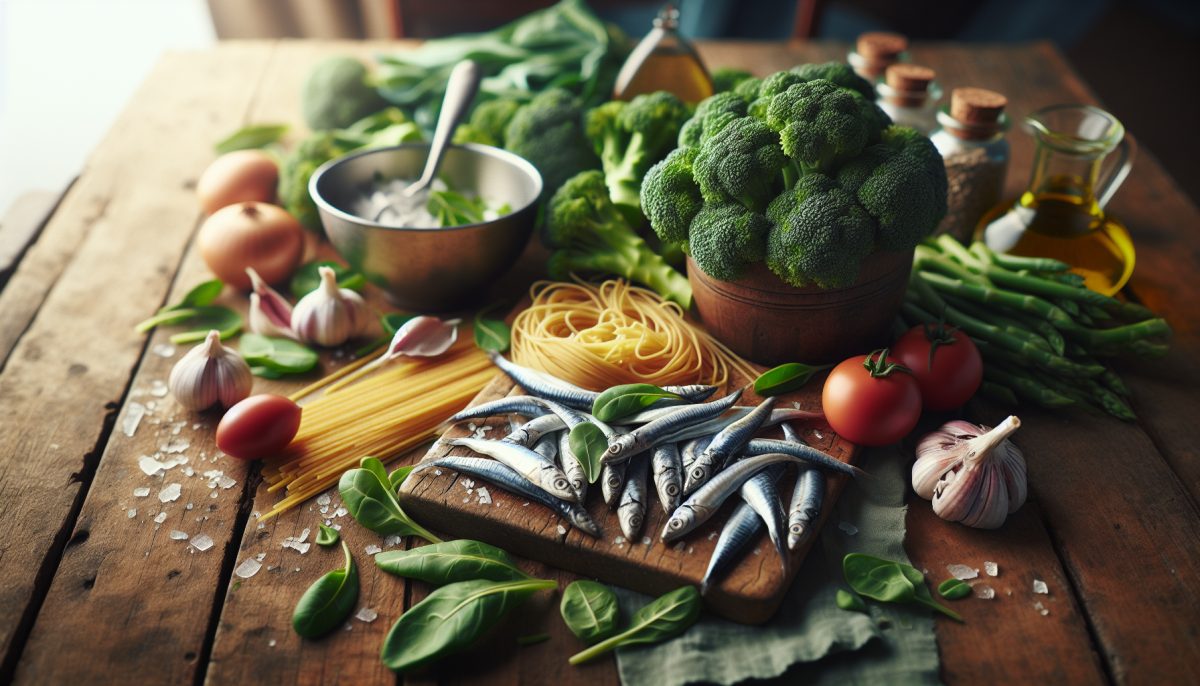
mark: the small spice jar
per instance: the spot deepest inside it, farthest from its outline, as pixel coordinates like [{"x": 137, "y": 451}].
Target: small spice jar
[
  {"x": 875, "y": 51},
  {"x": 909, "y": 95},
  {"x": 970, "y": 137}
]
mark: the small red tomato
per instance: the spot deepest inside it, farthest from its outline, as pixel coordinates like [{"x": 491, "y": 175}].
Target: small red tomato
[
  {"x": 258, "y": 426},
  {"x": 945, "y": 362},
  {"x": 870, "y": 400}
]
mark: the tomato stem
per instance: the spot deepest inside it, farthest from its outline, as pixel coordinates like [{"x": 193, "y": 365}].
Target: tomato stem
[
  {"x": 938, "y": 334},
  {"x": 879, "y": 366}
]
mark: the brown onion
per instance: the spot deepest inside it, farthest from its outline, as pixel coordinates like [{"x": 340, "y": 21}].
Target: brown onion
[
  {"x": 251, "y": 235},
  {"x": 238, "y": 176}
]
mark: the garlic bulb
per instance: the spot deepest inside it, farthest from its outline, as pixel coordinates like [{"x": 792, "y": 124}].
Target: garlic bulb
[
  {"x": 209, "y": 374},
  {"x": 330, "y": 315},
  {"x": 270, "y": 313},
  {"x": 973, "y": 474}
]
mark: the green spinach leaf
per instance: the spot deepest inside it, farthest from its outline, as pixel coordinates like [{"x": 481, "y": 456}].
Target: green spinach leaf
[
  {"x": 451, "y": 208},
  {"x": 851, "y": 602},
  {"x": 921, "y": 592},
  {"x": 590, "y": 610},
  {"x": 253, "y": 136},
  {"x": 368, "y": 495},
  {"x": 327, "y": 536},
  {"x": 954, "y": 589},
  {"x": 628, "y": 399},
  {"x": 264, "y": 373},
  {"x": 664, "y": 618},
  {"x": 201, "y": 295},
  {"x": 450, "y": 562},
  {"x": 785, "y": 378},
  {"x": 492, "y": 335},
  {"x": 205, "y": 319},
  {"x": 588, "y": 444},
  {"x": 398, "y": 476},
  {"x": 280, "y": 355},
  {"x": 889, "y": 582},
  {"x": 306, "y": 279},
  {"x": 328, "y": 602}
]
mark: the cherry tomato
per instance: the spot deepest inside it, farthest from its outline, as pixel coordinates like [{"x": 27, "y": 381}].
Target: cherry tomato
[
  {"x": 956, "y": 370},
  {"x": 258, "y": 426},
  {"x": 871, "y": 401}
]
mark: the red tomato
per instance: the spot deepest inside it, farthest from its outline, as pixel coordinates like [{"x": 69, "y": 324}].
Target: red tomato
[
  {"x": 957, "y": 368},
  {"x": 868, "y": 401},
  {"x": 258, "y": 426}
]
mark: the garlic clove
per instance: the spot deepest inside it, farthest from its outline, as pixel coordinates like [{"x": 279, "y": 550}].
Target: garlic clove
[
  {"x": 270, "y": 313},
  {"x": 423, "y": 337},
  {"x": 330, "y": 316},
  {"x": 209, "y": 374}
]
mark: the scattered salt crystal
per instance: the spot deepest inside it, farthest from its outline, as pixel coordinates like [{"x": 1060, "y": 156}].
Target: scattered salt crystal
[
  {"x": 486, "y": 428},
  {"x": 1039, "y": 586},
  {"x": 712, "y": 535},
  {"x": 324, "y": 509},
  {"x": 170, "y": 493},
  {"x": 466, "y": 499},
  {"x": 303, "y": 535},
  {"x": 817, "y": 434},
  {"x": 150, "y": 466},
  {"x": 485, "y": 498},
  {"x": 562, "y": 530},
  {"x": 175, "y": 445},
  {"x": 177, "y": 535},
  {"x": 158, "y": 388},
  {"x": 188, "y": 506},
  {"x": 260, "y": 556},
  {"x": 619, "y": 541},
  {"x": 1042, "y": 609},
  {"x": 468, "y": 484},
  {"x": 213, "y": 494},
  {"x": 160, "y": 517},
  {"x": 848, "y": 528},
  {"x": 295, "y": 569},
  {"x": 525, "y": 504},
  {"x": 248, "y": 568},
  {"x": 226, "y": 482},
  {"x": 261, "y": 526},
  {"x": 336, "y": 527},
  {"x": 323, "y": 499},
  {"x": 132, "y": 512},
  {"x": 372, "y": 549},
  {"x": 366, "y": 615},
  {"x": 299, "y": 547},
  {"x": 646, "y": 540},
  {"x": 133, "y": 417},
  {"x": 202, "y": 542},
  {"x": 188, "y": 471},
  {"x": 692, "y": 549},
  {"x": 962, "y": 572},
  {"x": 348, "y": 627},
  {"x": 163, "y": 350},
  {"x": 391, "y": 541},
  {"x": 991, "y": 568},
  {"x": 141, "y": 492},
  {"x": 340, "y": 512},
  {"x": 437, "y": 472},
  {"x": 984, "y": 591}
]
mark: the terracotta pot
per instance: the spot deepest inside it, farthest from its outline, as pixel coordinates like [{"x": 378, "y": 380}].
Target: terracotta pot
[{"x": 767, "y": 321}]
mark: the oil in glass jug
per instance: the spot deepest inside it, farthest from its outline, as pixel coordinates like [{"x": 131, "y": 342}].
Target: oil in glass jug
[
  {"x": 664, "y": 61},
  {"x": 1061, "y": 213}
]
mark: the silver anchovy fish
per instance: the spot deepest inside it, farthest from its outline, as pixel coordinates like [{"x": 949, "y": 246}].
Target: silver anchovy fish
[
  {"x": 513, "y": 404},
  {"x": 692, "y": 449},
  {"x": 730, "y": 440},
  {"x": 547, "y": 447},
  {"x": 543, "y": 385},
  {"x": 525, "y": 462},
  {"x": 649, "y": 435},
  {"x": 762, "y": 446},
  {"x": 572, "y": 467},
  {"x": 740, "y": 529},
  {"x": 533, "y": 430},
  {"x": 631, "y": 513},
  {"x": 696, "y": 393},
  {"x": 760, "y": 493},
  {"x": 612, "y": 481},
  {"x": 708, "y": 498},
  {"x": 713, "y": 426},
  {"x": 666, "y": 465},
  {"x": 807, "y": 497}
]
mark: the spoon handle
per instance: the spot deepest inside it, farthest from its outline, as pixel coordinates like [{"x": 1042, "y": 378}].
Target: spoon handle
[{"x": 460, "y": 91}]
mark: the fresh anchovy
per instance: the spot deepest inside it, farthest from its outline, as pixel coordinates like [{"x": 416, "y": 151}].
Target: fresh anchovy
[
  {"x": 525, "y": 462},
  {"x": 572, "y": 467},
  {"x": 506, "y": 478},
  {"x": 543, "y": 385},
  {"x": 805, "y": 507},
  {"x": 762, "y": 446},
  {"x": 547, "y": 447},
  {"x": 533, "y": 430},
  {"x": 715, "y": 425},
  {"x": 649, "y": 435},
  {"x": 760, "y": 493},
  {"x": 696, "y": 393},
  {"x": 692, "y": 449},
  {"x": 741, "y": 528},
  {"x": 666, "y": 465},
  {"x": 514, "y": 404},
  {"x": 647, "y": 415},
  {"x": 631, "y": 513},
  {"x": 708, "y": 498},
  {"x": 789, "y": 434},
  {"x": 573, "y": 418},
  {"x": 730, "y": 440},
  {"x": 612, "y": 480}
]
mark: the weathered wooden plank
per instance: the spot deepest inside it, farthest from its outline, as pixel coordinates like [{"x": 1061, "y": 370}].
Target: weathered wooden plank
[
  {"x": 125, "y": 598},
  {"x": 21, "y": 226}
]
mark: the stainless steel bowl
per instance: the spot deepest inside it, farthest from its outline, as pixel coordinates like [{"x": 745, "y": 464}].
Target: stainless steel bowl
[{"x": 429, "y": 269}]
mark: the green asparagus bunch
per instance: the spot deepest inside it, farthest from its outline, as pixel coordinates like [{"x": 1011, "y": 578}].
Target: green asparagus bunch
[{"x": 1040, "y": 331}]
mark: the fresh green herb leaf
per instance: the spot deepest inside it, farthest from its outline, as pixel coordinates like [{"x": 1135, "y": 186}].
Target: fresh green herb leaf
[
  {"x": 954, "y": 589},
  {"x": 306, "y": 279},
  {"x": 532, "y": 639},
  {"x": 451, "y": 618},
  {"x": 253, "y": 136},
  {"x": 281, "y": 355},
  {"x": 664, "y": 618},
  {"x": 590, "y": 610},
  {"x": 921, "y": 592},
  {"x": 207, "y": 318},
  {"x": 392, "y": 322},
  {"x": 327, "y": 536},
  {"x": 203, "y": 294},
  {"x": 328, "y": 602},
  {"x": 264, "y": 373},
  {"x": 450, "y": 562},
  {"x": 455, "y": 209},
  {"x": 628, "y": 399},
  {"x": 889, "y": 582},
  {"x": 367, "y": 493},
  {"x": 166, "y": 317},
  {"x": 785, "y": 378},
  {"x": 851, "y": 602},
  {"x": 492, "y": 335},
  {"x": 398, "y": 476},
  {"x": 588, "y": 444}
]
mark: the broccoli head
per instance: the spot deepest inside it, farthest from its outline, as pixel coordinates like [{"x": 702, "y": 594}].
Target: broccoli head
[
  {"x": 712, "y": 114},
  {"x": 492, "y": 117},
  {"x": 336, "y": 94},
  {"x": 821, "y": 124},
  {"x": 820, "y": 234},
  {"x": 901, "y": 181},
  {"x": 740, "y": 163},
  {"x": 725, "y": 238},
  {"x": 726, "y": 78},
  {"x": 838, "y": 72},
  {"x": 670, "y": 196},
  {"x": 631, "y": 137},
  {"x": 590, "y": 235},
  {"x": 548, "y": 131},
  {"x": 748, "y": 90}
]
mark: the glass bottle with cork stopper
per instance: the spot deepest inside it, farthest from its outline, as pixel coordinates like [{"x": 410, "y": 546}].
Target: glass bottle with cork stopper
[
  {"x": 664, "y": 61},
  {"x": 971, "y": 139},
  {"x": 909, "y": 95},
  {"x": 875, "y": 51}
]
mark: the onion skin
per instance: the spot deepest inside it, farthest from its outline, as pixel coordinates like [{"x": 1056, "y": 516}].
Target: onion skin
[
  {"x": 259, "y": 426},
  {"x": 251, "y": 234},
  {"x": 238, "y": 176}
]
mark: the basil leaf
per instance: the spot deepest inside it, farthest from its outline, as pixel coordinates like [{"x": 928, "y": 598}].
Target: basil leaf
[
  {"x": 954, "y": 589},
  {"x": 368, "y": 496},
  {"x": 628, "y": 399},
  {"x": 252, "y": 136},
  {"x": 452, "y": 561},
  {"x": 452, "y": 618},
  {"x": 492, "y": 335},
  {"x": 328, "y": 602},
  {"x": 306, "y": 279},
  {"x": 199, "y": 296},
  {"x": 785, "y": 378},
  {"x": 590, "y": 610},
  {"x": 281, "y": 355},
  {"x": 889, "y": 581},
  {"x": 664, "y": 618},
  {"x": 327, "y": 536},
  {"x": 851, "y": 602},
  {"x": 207, "y": 318},
  {"x": 398, "y": 476},
  {"x": 588, "y": 444},
  {"x": 264, "y": 373}
]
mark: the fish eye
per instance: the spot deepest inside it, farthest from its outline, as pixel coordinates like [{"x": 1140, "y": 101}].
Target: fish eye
[
  {"x": 698, "y": 473},
  {"x": 675, "y": 523}
]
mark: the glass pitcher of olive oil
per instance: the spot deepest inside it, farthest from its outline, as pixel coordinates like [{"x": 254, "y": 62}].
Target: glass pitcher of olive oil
[
  {"x": 1061, "y": 213},
  {"x": 664, "y": 61}
]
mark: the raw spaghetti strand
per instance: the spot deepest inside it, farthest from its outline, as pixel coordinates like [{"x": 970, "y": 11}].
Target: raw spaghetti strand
[{"x": 616, "y": 333}]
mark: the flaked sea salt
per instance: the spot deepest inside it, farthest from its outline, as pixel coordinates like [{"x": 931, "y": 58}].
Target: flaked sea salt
[
  {"x": 962, "y": 572},
  {"x": 213, "y": 494},
  {"x": 188, "y": 471},
  {"x": 170, "y": 493},
  {"x": 160, "y": 517},
  {"x": 1042, "y": 609},
  {"x": 562, "y": 530},
  {"x": 248, "y": 568},
  {"x": 340, "y": 512},
  {"x": 303, "y": 535},
  {"x": 175, "y": 445},
  {"x": 485, "y": 498},
  {"x": 141, "y": 492},
  {"x": 619, "y": 541},
  {"x": 392, "y": 541},
  {"x": 163, "y": 349},
  {"x": 133, "y": 417},
  {"x": 991, "y": 568},
  {"x": 226, "y": 482},
  {"x": 646, "y": 540},
  {"x": 188, "y": 506},
  {"x": 202, "y": 542},
  {"x": 158, "y": 388},
  {"x": 323, "y": 499},
  {"x": 1039, "y": 586},
  {"x": 150, "y": 466},
  {"x": 299, "y": 547},
  {"x": 271, "y": 643},
  {"x": 366, "y": 615},
  {"x": 984, "y": 591},
  {"x": 372, "y": 549},
  {"x": 848, "y": 528},
  {"x": 131, "y": 513},
  {"x": 712, "y": 535},
  {"x": 437, "y": 472},
  {"x": 260, "y": 556},
  {"x": 177, "y": 535}
]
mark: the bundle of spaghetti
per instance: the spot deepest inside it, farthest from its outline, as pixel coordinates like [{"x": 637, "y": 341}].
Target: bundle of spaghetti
[
  {"x": 616, "y": 333},
  {"x": 384, "y": 415}
]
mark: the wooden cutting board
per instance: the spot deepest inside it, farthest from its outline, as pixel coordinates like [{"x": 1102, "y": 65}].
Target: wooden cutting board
[{"x": 448, "y": 502}]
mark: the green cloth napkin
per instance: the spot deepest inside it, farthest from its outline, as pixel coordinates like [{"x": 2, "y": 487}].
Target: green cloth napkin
[{"x": 810, "y": 640}]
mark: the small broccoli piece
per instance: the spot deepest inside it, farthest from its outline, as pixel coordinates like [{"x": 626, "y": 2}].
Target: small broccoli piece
[
  {"x": 901, "y": 182},
  {"x": 820, "y": 234},
  {"x": 491, "y": 118},
  {"x": 466, "y": 133},
  {"x": 740, "y": 163},
  {"x": 590, "y": 235},
  {"x": 670, "y": 196},
  {"x": 336, "y": 94},
  {"x": 838, "y": 72},
  {"x": 748, "y": 90},
  {"x": 631, "y": 137},
  {"x": 727, "y": 78},
  {"x": 725, "y": 238},
  {"x": 712, "y": 114},
  {"x": 821, "y": 124},
  {"x": 548, "y": 131}
]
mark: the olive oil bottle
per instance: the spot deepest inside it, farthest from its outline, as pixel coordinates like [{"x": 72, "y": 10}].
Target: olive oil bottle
[{"x": 664, "y": 61}]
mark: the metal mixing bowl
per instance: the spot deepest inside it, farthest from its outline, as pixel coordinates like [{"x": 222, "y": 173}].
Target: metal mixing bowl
[{"x": 429, "y": 269}]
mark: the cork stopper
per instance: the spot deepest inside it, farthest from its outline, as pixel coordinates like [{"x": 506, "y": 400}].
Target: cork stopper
[
  {"x": 976, "y": 106},
  {"x": 909, "y": 78},
  {"x": 881, "y": 46}
]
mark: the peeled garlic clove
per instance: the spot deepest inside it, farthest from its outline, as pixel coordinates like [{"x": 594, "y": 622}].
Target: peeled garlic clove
[
  {"x": 209, "y": 374},
  {"x": 330, "y": 316},
  {"x": 270, "y": 313}
]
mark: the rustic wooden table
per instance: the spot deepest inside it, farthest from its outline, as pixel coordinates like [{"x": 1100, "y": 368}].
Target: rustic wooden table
[{"x": 96, "y": 590}]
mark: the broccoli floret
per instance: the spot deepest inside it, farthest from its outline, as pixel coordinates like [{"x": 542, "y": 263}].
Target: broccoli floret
[
  {"x": 820, "y": 234},
  {"x": 748, "y": 90},
  {"x": 590, "y": 235},
  {"x": 712, "y": 114},
  {"x": 838, "y": 72},
  {"x": 821, "y": 124},
  {"x": 901, "y": 181},
  {"x": 336, "y": 94},
  {"x": 491, "y": 118},
  {"x": 548, "y": 131},
  {"x": 466, "y": 133},
  {"x": 670, "y": 196},
  {"x": 631, "y": 137},
  {"x": 726, "y": 78},
  {"x": 740, "y": 163},
  {"x": 725, "y": 238}
]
